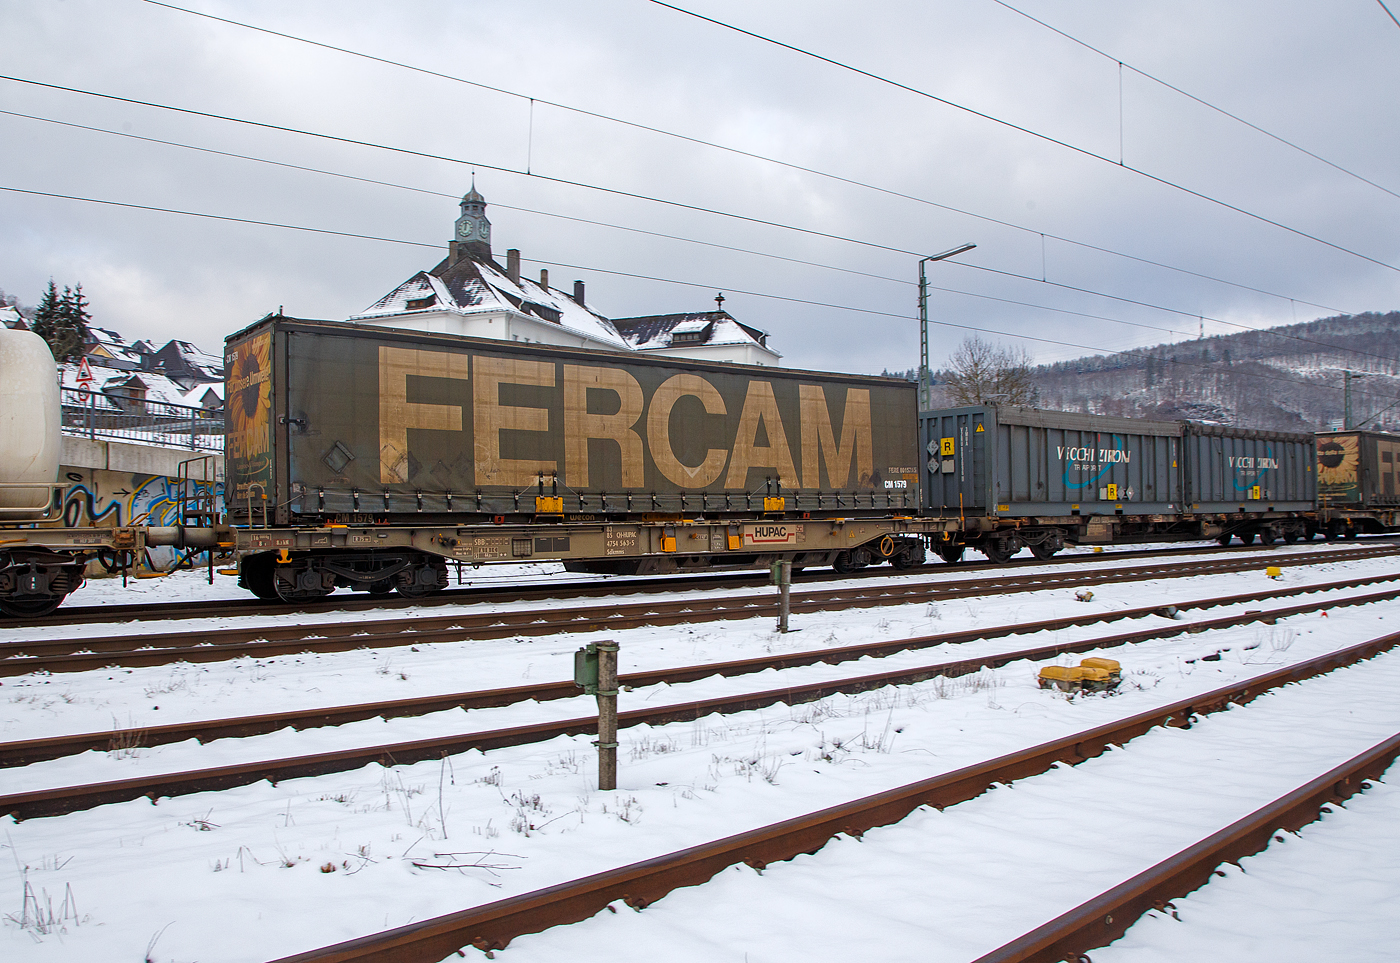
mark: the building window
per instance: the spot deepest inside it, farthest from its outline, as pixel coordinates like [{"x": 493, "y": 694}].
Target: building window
[{"x": 418, "y": 304}]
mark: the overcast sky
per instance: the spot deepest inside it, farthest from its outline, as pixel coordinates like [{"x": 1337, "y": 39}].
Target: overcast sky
[{"x": 1323, "y": 74}]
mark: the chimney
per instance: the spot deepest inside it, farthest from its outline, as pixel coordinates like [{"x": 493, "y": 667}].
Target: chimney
[
  {"x": 513, "y": 265},
  {"x": 544, "y": 278},
  {"x": 578, "y": 293},
  {"x": 452, "y": 253}
]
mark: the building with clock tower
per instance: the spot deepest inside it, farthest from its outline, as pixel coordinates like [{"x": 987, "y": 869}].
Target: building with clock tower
[
  {"x": 472, "y": 232},
  {"x": 469, "y": 293}
]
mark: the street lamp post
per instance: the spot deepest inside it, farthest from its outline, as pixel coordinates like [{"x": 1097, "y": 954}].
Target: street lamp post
[
  {"x": 925, "y": 376},
  {"x": 1348, "y": 423}
]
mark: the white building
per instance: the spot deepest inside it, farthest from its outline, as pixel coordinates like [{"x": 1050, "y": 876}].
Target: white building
[
  {"x": 470, "y": 294},
  {"x": 706, "y": 336}
]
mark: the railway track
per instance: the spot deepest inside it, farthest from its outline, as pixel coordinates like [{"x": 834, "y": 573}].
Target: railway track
[
  {"x": 215, "y": 644},
  {"x": 555, "y": 588},
  {"x": 492, "y": 926},
  {"x": 68, "y": 799},
  {"x": 1101, "y": 920},
  {"x": 25, "y": 752}
]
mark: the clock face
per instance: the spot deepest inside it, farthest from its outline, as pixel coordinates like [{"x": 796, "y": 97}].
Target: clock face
[
  {"x": 464, "y": 229},
  {"x": 485, "y": 230}
]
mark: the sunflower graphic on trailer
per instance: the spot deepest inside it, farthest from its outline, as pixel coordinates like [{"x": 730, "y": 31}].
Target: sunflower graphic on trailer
[
  {"x": 249, "y": 412},
  {"x": 1338, "y": 461}
]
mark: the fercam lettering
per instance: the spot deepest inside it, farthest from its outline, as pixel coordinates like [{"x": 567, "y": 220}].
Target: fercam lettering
[{"x": 607, "y": 414}]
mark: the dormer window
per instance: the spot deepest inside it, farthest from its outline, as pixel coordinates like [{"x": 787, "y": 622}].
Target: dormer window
[
  {"x": 418, "y": 304},
  {"x": 688, "y": 337}
]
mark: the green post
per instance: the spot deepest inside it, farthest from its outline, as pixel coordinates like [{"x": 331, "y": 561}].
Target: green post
[
  {"x": 782, "y": 577},
  {"x": 595, "y": 670}
]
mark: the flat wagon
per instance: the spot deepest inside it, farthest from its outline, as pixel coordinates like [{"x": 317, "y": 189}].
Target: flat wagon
[
  {"x": 1019, "y": 477},
  {"x": 366, "y": 456}
]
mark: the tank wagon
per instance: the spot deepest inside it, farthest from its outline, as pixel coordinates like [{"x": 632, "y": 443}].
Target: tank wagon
[
  {"x": 1015, "y": 478},
  {"x": 372, "y": 458},
  {"x": 41, "y": 561},
  {"x": 1358, "y": 482}
]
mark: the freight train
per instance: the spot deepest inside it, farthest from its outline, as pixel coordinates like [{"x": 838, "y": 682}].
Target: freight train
[{"x": 375, "y": 459}]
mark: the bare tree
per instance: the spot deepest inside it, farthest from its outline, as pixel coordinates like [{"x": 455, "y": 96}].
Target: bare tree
[{"x": 981, "y": 372}]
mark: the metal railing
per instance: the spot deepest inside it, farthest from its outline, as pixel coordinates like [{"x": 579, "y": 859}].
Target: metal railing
[{"x": 113, "y": 415}]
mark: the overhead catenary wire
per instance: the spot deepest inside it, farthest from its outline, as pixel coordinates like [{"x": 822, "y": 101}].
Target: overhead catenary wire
[
  {"x": 445, "y": 194},
  {"x": 651, "y": 199},
  {"x": 1388, "y": 13},
  {"x": 889, "y": 192},
  {"x": 707, "y": 285},
  {"x": 1190, "y": 96},
  {"x": 1084, "y": 151}
]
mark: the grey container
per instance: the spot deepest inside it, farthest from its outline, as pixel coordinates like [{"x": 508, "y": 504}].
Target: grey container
[
  {"x": 991, "y": 459},
  {"x": 1232, "y": 470},
  {"x": 329, "y": 420}
]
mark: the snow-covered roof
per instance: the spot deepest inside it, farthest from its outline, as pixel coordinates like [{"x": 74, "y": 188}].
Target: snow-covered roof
[
  {"x": 473, "y": 285},
  {"x": 10, "y": 317},
  {"x": 202, "y": 396},
  {"x": 703, "y": 327},
  {"x": 182, "y": 354},
  {"x": 158, "y": 387}
]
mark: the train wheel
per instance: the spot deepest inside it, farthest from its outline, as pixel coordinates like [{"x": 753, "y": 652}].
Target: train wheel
[
  {"x": 1267, "y": 536},
  {"x": 996, "y": 551},
  {"x": 383, "y": 587},
  {"x": 31, "y": 608},
  {"x": 1247, "y": 538},
  {"x": 255, "y": 575},
  {"x": 1224, "y": 539},
  {"x": 912, "y": 556},
  {"x": 422, "y": 580},
  {"x": 1290, "y": 536},
  {"x": 951, "y": 552},
  {"x": 1043, "y": 550}
]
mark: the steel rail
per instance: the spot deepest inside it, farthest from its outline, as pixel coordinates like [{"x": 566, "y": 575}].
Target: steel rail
[
  {"x": 493, "y": 925},
  {"x": 209, "y": 645},
  {"x": 609, "y": 585},
  {"x": 1103, "y": 919},
  {"x": 49, "y": 802},
  {"x": 25, "y": 752}
]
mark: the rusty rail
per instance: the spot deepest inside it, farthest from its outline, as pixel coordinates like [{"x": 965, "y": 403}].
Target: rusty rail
[
  {"x": 1108, "y": 916},
  {"x": 24, "y": 752},
  {"x": 208, "y": 645},
  {"x": 563, "y": 590},
  {"x": 494, "y": 925},
  {"x": 50, "y": 802}
]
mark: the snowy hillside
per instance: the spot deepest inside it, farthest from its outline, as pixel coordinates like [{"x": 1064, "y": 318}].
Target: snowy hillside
[{"x": 1285, "y": 378}]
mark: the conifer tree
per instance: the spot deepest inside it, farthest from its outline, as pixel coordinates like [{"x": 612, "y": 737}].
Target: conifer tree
[
  {"x": 61, "y": 320},
  {"x": 48, "y": 317},
  {"x": 75, "y": 328}
]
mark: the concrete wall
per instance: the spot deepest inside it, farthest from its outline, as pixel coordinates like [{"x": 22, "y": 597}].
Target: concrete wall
[
  {"x": 112, "y": 483},
  {"x": 121, "y": 456}
]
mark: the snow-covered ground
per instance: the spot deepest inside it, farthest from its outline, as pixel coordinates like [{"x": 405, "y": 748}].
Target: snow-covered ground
[{"x": 264, "y": 871}]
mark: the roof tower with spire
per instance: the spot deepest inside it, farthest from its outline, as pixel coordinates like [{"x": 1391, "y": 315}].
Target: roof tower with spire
[{"x": 470, "y": 294}]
